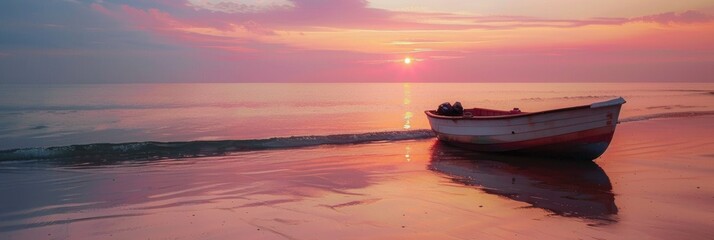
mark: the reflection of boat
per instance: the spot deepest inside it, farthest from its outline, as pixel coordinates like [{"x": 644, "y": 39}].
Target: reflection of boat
[
  {"x": 581, "y": 132},
  {"x": 566, "y": 188}
]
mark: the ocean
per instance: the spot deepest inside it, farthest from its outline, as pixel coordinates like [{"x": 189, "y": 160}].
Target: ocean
[
  {"x": 347, "y": 160},
  {"x": 61, "y": 115}
]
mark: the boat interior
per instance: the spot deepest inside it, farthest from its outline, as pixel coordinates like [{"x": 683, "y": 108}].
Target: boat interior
[
  {"x": 482, "y": 112},
  {"x": 490, "y": 112}
]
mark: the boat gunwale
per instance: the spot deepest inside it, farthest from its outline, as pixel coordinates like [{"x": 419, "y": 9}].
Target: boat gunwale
[
  {"x": 432, "y": 113},
  {"x": 609, "y": 103}
]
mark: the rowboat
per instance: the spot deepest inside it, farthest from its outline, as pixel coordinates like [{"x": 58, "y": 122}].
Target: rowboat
[{"x": 578, "y": 133}]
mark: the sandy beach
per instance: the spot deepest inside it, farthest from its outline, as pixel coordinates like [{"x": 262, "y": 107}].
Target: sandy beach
[{"x": 648, "y": 185}]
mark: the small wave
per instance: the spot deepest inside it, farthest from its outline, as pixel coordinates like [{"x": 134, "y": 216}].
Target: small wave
[
  {"x": 160, "y": 150},
  {"x": 666, "y": 115},
  {"x": 674, "y": 106},
  {"x": 108, "y": 152},
  {"x": 695, "y": 91},
  {"x": 690, "y": 90},
  {"x": 62, "y": 108}
]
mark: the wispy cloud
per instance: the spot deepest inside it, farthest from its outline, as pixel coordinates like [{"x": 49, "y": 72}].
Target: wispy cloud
[
  {"x": 341, "y": 25},
  {"x": 226, "y": 6},
  {"x": 687, "y": 17}
]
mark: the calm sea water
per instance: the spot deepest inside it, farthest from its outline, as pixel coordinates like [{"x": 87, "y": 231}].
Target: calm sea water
[{"x": 59, "y": 115}]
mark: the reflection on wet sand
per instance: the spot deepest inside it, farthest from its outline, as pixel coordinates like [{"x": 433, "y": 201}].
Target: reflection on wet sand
[
  {"x": 64, "y": 192},
  {"x": 571, "y": 189}
]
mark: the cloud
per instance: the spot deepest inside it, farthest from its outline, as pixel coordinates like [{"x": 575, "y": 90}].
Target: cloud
[
  {"x": 271, "y": 16},
  {"x": 350, "y": 25},
  {"x": 502, "y": 22},
  {"x": 205, "y": 33},
  {"x": 255, "y": 6},
  {"x": 688, "y": 17}
]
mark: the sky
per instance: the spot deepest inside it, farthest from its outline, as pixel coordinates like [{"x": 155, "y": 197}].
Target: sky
[{"x": 138, "y": 41}]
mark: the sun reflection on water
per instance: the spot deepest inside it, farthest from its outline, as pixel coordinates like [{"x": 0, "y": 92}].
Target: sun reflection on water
[
  {"x": 407, "y": 120},
  {"x": 407, "y": 100}
]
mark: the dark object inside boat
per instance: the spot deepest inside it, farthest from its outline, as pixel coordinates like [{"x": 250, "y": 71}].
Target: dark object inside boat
[{"x": 447, "y": 109}]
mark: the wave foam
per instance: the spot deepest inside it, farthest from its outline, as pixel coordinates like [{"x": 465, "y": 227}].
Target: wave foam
[{"x": 160, "y": 150}]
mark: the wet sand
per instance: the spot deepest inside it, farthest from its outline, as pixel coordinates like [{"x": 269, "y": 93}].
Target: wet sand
[{"x": 656, "y": 181}]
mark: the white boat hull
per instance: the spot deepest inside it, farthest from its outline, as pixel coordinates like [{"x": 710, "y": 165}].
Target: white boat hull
[{"x": 577, "y": 132}]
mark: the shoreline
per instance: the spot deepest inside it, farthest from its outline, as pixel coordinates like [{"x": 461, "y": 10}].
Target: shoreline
[{"x": 377, "y": 190}]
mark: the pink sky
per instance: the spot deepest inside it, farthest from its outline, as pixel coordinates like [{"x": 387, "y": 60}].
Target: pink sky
[{"x": 357, "y": 40}]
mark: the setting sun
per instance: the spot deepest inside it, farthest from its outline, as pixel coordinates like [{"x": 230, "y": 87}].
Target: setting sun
[{"x": 407, "y": 60}]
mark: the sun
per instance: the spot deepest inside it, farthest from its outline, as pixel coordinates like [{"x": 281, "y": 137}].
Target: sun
[{"x": 407, "y": 60}]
